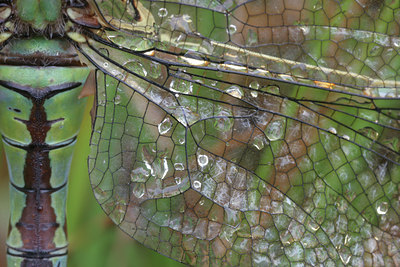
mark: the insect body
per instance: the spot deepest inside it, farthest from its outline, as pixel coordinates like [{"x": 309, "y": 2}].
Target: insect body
[{"x": 225, "y": 133}]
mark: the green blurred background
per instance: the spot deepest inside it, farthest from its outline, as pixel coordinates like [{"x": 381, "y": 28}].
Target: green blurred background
[{"x": 94, "y": 240}]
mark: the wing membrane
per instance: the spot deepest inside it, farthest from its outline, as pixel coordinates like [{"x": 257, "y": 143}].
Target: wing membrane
[
  {"x": 346, "y": 44},
  {"x": 269, "y": 136}
]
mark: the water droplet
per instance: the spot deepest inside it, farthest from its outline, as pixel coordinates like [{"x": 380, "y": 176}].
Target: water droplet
[
  {"x": 235, "y": 91},
  {"x": 382, "y": 208},
  {"x": 179, "y": 166},
  {"x": 232, "y": 29},
  {"x": 219, "y": 74},
  {"x": 305, "y": 29},
  {"x": 163, "y": 168},
  {"x": 105, "y": 64},
  {"x": 178, "y": 180},
  {"x": 164, "y": 126},
  {"x": 346, "y": 137},
  {"x": 272, "y": 89},
  {"x": 181, "y": 141},
  {"x": 275, "y": 130},
  {"x": 391, "y": 95},
  {"x": 182, "y": 85},
  {"x": 213, "y": 83},
  {"x": 254, "y": 94},
  {"x": 254, "y": 85},
  {"x": 396, "y": 42},
  {"x": 196, "y": 184},
  {"x": 155, "y": 70},
  {"x": 259, "y": 142},
  {"x": 186, "y": 116},
  {"x": 136, "y": 67},
  {"x": 138, "y": 190},
  {"x": 332, "y": 130},
  {"x": 162, "y": 12},
  {"x": 117, "y": 39},
  {"x": 117, "y": 99},
  {"x": 102, "y": 99},
  {"x": 102, "y": 102},
  {"x": 201, "y": 202},
  {"x": 193, "y": 58},
  {"x": 202, "y": 160},
  {"x": 120, "y": 76},
  {"x": 139, "y": 175}
]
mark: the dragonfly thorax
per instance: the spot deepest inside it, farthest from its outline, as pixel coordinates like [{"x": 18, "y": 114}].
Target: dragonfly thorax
[{"x": 39, "y": 14}]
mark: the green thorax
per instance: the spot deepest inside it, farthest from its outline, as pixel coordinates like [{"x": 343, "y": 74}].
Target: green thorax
[{"x": 39, "y": 13}]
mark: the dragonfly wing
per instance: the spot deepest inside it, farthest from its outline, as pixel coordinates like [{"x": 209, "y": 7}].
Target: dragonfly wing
[{"x": 261, "y": 139}]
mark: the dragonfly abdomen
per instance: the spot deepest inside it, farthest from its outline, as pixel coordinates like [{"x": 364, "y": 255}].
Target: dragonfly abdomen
[{"x": 42, "y": 111}]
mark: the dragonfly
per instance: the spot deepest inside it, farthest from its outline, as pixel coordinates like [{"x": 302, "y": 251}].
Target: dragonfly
[{"x": 224, "y": 133}]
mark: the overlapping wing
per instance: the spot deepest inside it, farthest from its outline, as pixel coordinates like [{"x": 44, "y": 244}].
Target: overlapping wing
[{"x": 250, "y": 132}]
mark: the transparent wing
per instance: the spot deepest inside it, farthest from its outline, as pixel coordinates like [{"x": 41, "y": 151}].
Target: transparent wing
[{"x": 250, "y": 133}]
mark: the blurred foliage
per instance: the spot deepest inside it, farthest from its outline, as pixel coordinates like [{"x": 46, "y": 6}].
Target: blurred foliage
[{"x": 94, "y": 240}]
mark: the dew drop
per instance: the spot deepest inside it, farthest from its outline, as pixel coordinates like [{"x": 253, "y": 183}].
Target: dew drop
[
  {"x": 391, "y": 95},
  {"x": 259, "y": 142},
  {"x": 120, "y": 76},
  {"x": 305, "y": 29},
  {"x": 382, "y": 208},
  {"x": 117, "y": 39},
  {"x": 155, "y": 70},
  {"x": 162, "y": 12},
  {"x": 396, "y": 42},
  {"x": 138, "y": 190},
  {"x": 275, "y": 130},
  {"x": 235, "y": 91},
  {"x": 214, "y": 83},
  {"x": 196, "y": 184},
  {"x": 117, "y": 99},
  {"x": 232, "y": 29},
  {"x": 272, "y": 89},
  {"x": 105, "y": 64},
  {"x": 332, "y": 130},
  {"x": 182, "y": 84},
  {"x": 346, "y": 137},
  {"x": 102, "y": 102},
  {"x": 347, "y": 240},
  {"x": 219, "y": 74},
  {"x": 179, "y": 166},
  {"x": 178, "y": 180},
  {"x": 136, "y": 67},
  {"x": 202, "y": 160},
  {"x": 181, "y": 141},
  {"x": 201, "y": 202},
  {"x": 254, "y": 94},
  {"x": 254, "y": 85},
  {"x": 164, "y": 126},
  {"x": 194, "y": 59},
  {"x": 139, "y": 175}
]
